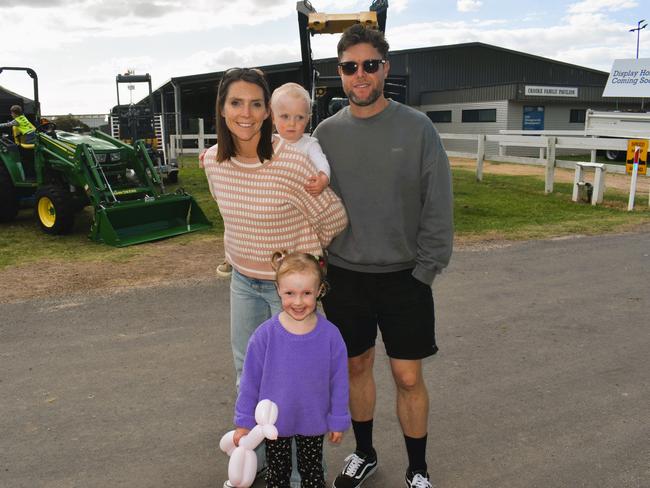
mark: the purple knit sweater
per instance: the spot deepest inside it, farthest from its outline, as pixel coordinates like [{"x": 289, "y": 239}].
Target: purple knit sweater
[{"x": 305, "y": 375}]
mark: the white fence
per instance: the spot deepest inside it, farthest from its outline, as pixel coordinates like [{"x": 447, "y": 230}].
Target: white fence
[
  {"x": 202, "y": 141},
  {"x": 547, "y": 142}
]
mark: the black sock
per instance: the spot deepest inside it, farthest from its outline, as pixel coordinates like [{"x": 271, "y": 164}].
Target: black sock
[
  {"x": 416, "y": 450},
  {"x": 363, "y": 436}
]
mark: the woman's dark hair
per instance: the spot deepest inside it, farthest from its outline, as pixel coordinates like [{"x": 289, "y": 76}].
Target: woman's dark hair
[
  {"x": 358, "y": 34},
  {"x": 225, "y": 144}
]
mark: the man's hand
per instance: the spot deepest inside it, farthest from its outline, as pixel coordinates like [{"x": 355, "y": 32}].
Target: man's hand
[
  {"x": 316, "y": 184},
  {"x": 336, "y": 437},
  {"x": 239, "y": 433}
]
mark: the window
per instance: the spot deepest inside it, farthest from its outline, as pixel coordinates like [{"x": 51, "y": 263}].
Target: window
[
  {"x": 480, "y": 115},
  {"x": 577, "y": 116},
  {"x": 440, "y": 116}
]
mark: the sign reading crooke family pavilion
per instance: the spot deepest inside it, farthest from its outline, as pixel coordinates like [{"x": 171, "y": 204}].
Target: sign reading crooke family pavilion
[{"x": 551, "y": 91}]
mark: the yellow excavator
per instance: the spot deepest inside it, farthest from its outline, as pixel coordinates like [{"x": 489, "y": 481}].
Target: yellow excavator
[{"x": 326, "y": 91}]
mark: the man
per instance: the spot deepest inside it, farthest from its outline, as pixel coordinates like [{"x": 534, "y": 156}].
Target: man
[
  {"x": 389, "y": 167},
  {"x": 24, "y": 131}
]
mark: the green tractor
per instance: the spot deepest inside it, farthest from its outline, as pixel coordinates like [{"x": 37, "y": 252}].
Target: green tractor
[{"x": 61, "y": 173}]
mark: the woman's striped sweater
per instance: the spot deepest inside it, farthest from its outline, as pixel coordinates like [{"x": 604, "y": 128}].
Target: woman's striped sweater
[{"x": 265, "y": 208}]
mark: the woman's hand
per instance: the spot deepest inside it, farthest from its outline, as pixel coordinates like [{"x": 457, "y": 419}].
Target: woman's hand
[
  {"x": 336, "y": 437},
  {"x": 239, "y": 433}
]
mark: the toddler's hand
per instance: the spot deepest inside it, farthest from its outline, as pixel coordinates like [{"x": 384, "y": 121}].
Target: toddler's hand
[
  {"x": 336, "y": 437},
  {"x": 316, "y": 184},
  {"x": 239, "y": 433}
]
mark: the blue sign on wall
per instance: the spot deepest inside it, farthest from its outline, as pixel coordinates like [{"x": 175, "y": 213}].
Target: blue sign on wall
[{"x": 533, "y": 118}]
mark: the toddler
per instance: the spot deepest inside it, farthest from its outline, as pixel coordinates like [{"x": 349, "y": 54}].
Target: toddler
[
  {"x": 291, "y": 111},
  {"x": 298, "y": 360}
]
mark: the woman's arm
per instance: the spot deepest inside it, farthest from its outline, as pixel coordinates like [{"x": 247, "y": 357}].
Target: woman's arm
[{"x": 326, "y": 214}]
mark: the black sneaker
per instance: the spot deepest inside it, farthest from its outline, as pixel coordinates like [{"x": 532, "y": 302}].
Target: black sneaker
[
  {"x": 417, "y": 479},
  {"x": 358, "y": 468}
]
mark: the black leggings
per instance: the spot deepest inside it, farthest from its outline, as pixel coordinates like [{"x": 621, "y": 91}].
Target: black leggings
[{"x": 310, "y": 461}]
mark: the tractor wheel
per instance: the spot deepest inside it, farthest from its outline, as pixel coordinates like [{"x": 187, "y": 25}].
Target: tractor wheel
[
  {"x": 8, "y": 198},
  {"x": 55, "y": 209}
]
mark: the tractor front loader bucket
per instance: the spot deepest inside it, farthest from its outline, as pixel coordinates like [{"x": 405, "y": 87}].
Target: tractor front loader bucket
[{"x": 137, "y": 221}]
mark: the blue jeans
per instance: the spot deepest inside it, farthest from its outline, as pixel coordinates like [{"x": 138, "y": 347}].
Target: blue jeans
[{"x": 252, "y": 301}]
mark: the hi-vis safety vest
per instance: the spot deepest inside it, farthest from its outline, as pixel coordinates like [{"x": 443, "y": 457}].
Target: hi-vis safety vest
[{"x": 24, "y": 125}]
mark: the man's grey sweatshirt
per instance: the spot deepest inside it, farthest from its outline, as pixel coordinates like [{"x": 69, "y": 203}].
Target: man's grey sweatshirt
[{"x": 393, "y": 176}]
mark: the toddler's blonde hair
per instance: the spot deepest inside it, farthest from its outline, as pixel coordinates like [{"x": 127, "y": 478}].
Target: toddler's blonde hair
[{"x": 291, "y": 90}]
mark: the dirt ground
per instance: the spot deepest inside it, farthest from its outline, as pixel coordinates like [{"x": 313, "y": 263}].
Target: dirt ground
[{"x": 169, "y": 262}]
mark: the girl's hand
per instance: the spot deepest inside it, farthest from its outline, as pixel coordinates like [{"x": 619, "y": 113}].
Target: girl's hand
[
  {"x": 239, "y": 433},
  {"x": 201, "y": 156},
  {"x": 336, "y": 437},
  {"x": 316, "y": 184}
]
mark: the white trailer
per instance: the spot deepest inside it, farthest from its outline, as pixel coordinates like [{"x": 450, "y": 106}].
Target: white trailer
[{"x": 628, "y": 125}]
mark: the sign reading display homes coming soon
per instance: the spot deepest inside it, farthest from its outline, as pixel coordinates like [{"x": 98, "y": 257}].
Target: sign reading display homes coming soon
[
  {"x": 551, "y": 91},
  {"x": 629, "y": 78}
]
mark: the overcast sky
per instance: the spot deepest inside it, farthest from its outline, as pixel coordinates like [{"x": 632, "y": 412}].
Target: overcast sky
[{"x": 78, "y": 46}]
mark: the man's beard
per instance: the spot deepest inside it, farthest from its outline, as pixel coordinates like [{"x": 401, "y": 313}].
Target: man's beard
[{"x": 374, "y": 96}]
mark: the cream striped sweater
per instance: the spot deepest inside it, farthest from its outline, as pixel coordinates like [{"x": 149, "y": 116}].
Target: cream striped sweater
[{"x": 265, "y": 208}]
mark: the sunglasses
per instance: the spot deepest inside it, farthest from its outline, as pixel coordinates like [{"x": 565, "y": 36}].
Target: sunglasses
[
  {"x": 240, "y": 71},
  {"x": 369, "y": 66}
]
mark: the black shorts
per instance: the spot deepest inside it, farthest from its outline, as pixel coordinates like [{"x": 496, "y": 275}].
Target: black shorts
[{"x": 400, "y": 305}]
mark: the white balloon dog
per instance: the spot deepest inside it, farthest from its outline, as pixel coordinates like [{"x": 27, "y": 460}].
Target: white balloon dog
[{"x": 242, "y": 466}]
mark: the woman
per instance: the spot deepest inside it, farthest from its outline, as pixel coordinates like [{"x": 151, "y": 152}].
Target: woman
[{"x": 261, "y": 196}]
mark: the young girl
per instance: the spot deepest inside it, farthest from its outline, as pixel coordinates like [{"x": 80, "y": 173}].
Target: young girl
[
  {"x": 291, "y": 110},
  {"x": 298, "y": 360}
]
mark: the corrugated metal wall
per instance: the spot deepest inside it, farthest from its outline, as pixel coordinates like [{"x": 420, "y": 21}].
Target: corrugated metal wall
[{"x": 476, "y": 64}]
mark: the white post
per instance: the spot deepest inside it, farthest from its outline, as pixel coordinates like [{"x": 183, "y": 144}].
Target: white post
[
  {"x": 599, "y": 185},
  {"x": 577, "y": 178},
  {"x": 635, "y": 173},
  {"x": 172, "y": 147},
  {"x": 593, "y": 153},
  {"x": 550, "y": 165},
  {"x": 201, "y": 136},
  {"x": 480, "y": 157}
]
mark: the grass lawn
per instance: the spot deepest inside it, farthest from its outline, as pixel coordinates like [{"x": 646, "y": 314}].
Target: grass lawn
[{"x": 500, "y": 207}]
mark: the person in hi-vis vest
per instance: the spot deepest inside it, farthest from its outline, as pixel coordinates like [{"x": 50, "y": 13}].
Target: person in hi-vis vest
[{"x": 23, "y": 130}]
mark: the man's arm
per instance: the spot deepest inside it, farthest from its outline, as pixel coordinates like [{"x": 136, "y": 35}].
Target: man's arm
[{"x": 436, "y": 230}]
